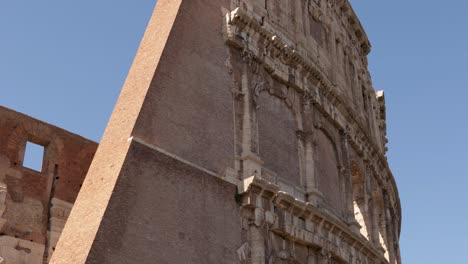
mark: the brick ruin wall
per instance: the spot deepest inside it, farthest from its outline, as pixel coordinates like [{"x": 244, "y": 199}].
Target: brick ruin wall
[{"x": 34, "y": 205}]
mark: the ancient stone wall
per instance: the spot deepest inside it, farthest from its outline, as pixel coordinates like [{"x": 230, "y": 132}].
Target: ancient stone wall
[
  {"x": 34, "y": 204},
  {"x": 316, "y": 129},
  {"x": 270, "y": 96}
]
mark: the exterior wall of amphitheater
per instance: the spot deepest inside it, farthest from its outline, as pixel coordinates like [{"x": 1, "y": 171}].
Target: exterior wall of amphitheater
[
  {"x": 250, "y": 133},
  {"x": 312, "y": 131}
]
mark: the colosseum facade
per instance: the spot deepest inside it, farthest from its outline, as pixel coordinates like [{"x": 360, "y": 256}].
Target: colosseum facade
[
  {"x": 312, "y": 131},
  {"x": 248, "y": 131}
]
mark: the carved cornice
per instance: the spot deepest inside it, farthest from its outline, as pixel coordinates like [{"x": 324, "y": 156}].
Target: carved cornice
[
  {"x": 277, "y": 56},
  {"x": 356, "y": 27},
  {"x": 344, "y": 14},
  {"x": 319, "y": 229}
]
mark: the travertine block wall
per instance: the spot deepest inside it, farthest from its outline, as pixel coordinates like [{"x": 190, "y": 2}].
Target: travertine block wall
[{"x": 34, "y": 205}]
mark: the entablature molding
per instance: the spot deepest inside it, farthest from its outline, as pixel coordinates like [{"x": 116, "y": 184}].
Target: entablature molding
[
  {"x": 356, "y": 27},
  {"x": 322, "y": 10},
  {"x": 305, "y": 223}
]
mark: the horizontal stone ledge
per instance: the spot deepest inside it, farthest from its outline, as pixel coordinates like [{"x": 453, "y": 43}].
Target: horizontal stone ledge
[{"x": 318, "y": 223}]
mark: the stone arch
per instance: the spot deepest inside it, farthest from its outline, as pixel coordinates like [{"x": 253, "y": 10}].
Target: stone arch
[
  {"x": 380, "y": 221},
  {"x": 389, "y": 216},
  {"x": 360, "y": 203},
  {"x": 278, "y": 120},
  {"x": 268, "y": 86},
  {"x": 329, "y": 180},
  {"x": 329, "y": 133}
]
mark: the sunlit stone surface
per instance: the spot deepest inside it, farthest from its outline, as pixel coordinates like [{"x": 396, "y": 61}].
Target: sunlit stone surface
[{"x": 246, "y": 132}]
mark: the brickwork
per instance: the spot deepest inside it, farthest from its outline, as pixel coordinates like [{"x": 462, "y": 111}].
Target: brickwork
[{"x": 34, "y": 205}]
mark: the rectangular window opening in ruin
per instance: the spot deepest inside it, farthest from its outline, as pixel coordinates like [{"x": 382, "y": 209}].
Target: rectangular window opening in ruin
[{"x": 34, "y": 156}]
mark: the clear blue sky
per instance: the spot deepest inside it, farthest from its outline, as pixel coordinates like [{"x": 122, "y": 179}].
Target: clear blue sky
[{"x": 65, "y": 61}]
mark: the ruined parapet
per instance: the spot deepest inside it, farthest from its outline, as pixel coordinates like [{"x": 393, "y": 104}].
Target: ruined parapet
[
  {"x": 34, "y": 204},
  {"x": 246, "y": 132}
]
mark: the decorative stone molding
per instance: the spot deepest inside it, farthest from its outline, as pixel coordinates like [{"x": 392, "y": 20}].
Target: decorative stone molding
[
  {"x": 354, "y": 28},
  {"x": 305, "y": 224},
  {"x": 277, "y": 55}
]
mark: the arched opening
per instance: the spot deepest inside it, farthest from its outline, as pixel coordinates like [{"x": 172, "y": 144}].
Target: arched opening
[
  {"x": 328, "y": 175},
  {"x": 381, "y": 228},
  {"x": 359, "y": 199},
  {"x": 277, "y": 138}
]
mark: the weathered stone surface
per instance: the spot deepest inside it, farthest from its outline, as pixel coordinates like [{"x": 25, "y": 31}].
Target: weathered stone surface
[
  {"x": 34, "y": 205},
  {"x": 166, "y": 211},
  {"x": 248, "y": 131}
]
